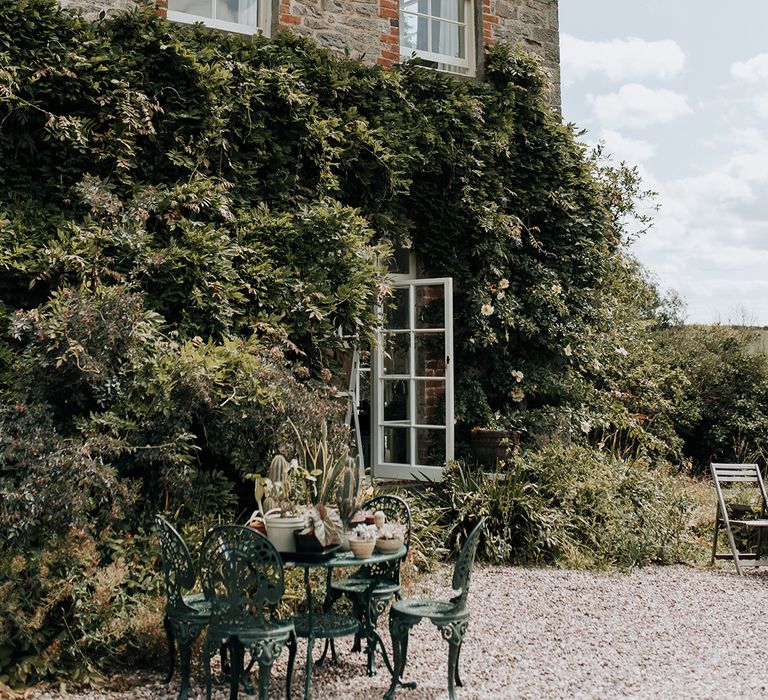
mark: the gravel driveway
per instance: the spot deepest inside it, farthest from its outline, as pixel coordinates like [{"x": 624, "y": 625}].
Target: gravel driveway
[{"x": 657, "y": 632}]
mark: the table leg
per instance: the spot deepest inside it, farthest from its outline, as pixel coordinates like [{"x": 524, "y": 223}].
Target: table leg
[
  {"x": 327, "y": 607},
  {"x": 310, "y": 632}
]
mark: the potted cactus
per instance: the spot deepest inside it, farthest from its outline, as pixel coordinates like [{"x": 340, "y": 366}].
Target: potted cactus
[
  {"x": 349, "y": 497},
  {"x": 278, "y": 504}
]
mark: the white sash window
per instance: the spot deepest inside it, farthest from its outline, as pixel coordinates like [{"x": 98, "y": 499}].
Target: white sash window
[
  {"x": 438, "y": 31},
  {"x": 241, "y": 16}
]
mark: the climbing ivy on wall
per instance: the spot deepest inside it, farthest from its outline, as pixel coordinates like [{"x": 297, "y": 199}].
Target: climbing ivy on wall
[
  {"x": 186, "y": 218},
  {"x": 254, "y": 186}
]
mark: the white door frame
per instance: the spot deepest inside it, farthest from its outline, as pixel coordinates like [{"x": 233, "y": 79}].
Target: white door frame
[{"x": 413, "y": 471}]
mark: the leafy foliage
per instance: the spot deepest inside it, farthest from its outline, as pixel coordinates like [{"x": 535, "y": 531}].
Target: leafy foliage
[
  {"x": 726, "y": 393},
  {"x": 186, "y": 220},
  {"x": 567, "y": 506}
]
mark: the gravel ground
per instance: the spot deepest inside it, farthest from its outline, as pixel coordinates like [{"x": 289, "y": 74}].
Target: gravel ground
[{"x": 657, "y": 632}]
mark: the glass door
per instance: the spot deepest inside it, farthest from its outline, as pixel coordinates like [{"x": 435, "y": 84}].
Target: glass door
[{"x": 413, "y": 375}]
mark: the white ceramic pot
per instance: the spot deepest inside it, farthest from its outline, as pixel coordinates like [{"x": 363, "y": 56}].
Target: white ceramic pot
[{"x": 280, "y": 530}]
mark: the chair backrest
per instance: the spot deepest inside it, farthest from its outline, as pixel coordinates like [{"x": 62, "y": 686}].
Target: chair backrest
[
  {"x": 463, "y": 568},
  {"x": 741, "y": 475},
  {"x": 396, "y": 510},
  {"x": 242, "y": 575},
  {"x": 178, "y": 569}
]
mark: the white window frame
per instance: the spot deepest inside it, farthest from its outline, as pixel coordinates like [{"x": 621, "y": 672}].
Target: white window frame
[
  {"x": 263, "y": 19},
  {"x": 412, "y": 471},
  {"x": 468, "y": 63}
]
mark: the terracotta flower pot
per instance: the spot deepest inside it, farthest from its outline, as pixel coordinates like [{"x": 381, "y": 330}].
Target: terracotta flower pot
[
  {"x": 385, "y": 546},
  {"x": 361, "y": 548}
]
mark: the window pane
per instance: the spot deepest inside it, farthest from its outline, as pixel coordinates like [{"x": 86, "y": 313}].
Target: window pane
[
  {"x": 201, "y": 8},
  {"x": 397, "y": 309},
  {"x": 430, "y": 354},
  {"x": 448, "y": 9},
  {"x": 430, "y": 447},
  {"x": 396, "y": 400},
  {"x": 401, "y": 262},
  {"x": 430, "y": 402},
  {"x": 226, "y": 10},
  {"x": 414, "y": 32},
  {"x": 448, "y": 39},
  {"x": 396, "y": 445},
  {"x": 430, "y": 306},
  {"x": 397, "y": 353}
]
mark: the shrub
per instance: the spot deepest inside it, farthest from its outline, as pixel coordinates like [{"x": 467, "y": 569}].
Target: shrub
[
  {"x": 77, "y": 602},
  {"x": 567, "y": 506},
  {"x": 726, "y": 393}
]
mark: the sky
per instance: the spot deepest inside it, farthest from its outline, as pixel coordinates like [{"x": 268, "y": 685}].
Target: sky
[{"x": 679, "y": 88}]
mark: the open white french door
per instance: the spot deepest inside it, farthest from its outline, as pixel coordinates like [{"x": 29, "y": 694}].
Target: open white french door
[{"x": 412, "y": 382}]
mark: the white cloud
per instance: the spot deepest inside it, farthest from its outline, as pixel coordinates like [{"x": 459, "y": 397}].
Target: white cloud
[
  {"x": 755, "y": 70},
  {"x": 636, "y": 105},
  {"x": 710, "y": 241},
  {"x": 619, "y": 59},
  {"x": 622, "y": 148}
]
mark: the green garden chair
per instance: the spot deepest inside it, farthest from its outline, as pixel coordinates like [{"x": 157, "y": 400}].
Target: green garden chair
[
  {"x": 450, "y": 617},
  {"x": 242, "y": 577},
  {"x": 381, "y": 582},
  {"x": 185, "y": 615}
]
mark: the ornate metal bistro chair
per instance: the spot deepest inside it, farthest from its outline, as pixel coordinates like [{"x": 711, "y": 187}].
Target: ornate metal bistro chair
[
  {"x": 377, "y": 583},
  {"x": 450, "y": 617},
  {"x": 242, "y": 576},
  {"x": 185, "y": 615}
]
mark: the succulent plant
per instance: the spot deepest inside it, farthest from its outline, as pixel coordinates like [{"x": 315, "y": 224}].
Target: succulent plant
[{"x": 349, "y": 493}]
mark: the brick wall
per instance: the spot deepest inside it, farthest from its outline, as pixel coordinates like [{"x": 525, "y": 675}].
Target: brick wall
[{"x": 369, "y": 29}]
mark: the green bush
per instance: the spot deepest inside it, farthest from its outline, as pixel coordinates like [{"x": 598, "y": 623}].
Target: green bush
[
  {"x": 571, "y": 506},
  {"x": 75, "y": 603},
  {"x": 726, "y": 392}
]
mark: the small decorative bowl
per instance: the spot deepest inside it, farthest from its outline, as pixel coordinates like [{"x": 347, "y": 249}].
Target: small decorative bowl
[
  {"x": 361, "y": 548},
  {"x": 388, "y": 545}
]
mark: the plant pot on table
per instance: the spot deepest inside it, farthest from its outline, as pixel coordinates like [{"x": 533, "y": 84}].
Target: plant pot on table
[
  {"x": 388, "y": 545},
  {"x": 361, "y": 548},
  {"x": 280, "y": 530},
  {"x": 306, "y": 542}
]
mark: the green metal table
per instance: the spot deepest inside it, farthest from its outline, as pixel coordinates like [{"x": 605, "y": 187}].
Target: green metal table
[{"x": 327, "y": 624}]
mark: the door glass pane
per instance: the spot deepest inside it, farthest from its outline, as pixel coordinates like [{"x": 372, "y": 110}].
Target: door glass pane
[
  {"x": 397, "y": 315},
  {"x": 396, "y": 445},
  {"x": 430, "y": 446},
  {"x": 430, "y": 354},
  {"x": 430, "y": 306},
  {"x": 364, "y": 408},
  {"x": 201, "y": 8},
  {"x": 401, "y": 261},
  {"x": 397, "y": 353},
  {"x": 430, "y": 402},
  {"x": 396, "y": 400}
]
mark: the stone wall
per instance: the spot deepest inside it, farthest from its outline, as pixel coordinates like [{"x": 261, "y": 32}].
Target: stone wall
[
  {"x": 534, "y": 25},
  {"x": 361, "y": 27},
  {"x": 369, "y": 29}
]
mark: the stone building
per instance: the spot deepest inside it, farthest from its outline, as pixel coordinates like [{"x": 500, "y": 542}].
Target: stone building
[
  {"x": 448, "y": 34},
  {"x": 401, "y": 403}
]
